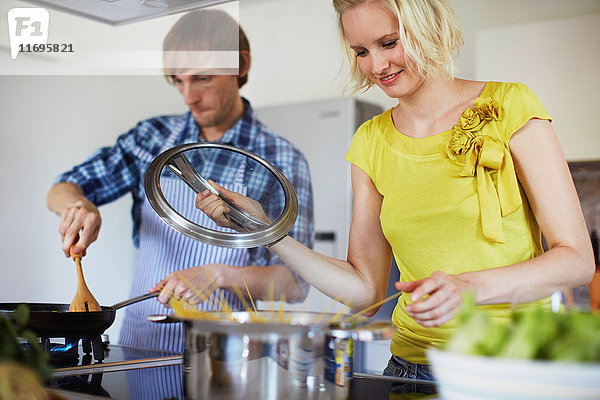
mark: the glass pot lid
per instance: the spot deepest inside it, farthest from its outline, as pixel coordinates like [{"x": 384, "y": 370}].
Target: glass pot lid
[{"x": 175, "y": 177}]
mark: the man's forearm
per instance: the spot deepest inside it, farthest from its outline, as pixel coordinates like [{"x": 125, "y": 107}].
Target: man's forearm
[{"x": 64, "y": 195}]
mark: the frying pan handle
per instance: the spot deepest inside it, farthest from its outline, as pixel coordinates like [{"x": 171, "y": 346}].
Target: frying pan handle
[{"x": 135, "y": 300}]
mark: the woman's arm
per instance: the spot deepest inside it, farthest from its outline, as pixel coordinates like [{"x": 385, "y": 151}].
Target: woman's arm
[
  {"x": 544, "y": 175},
  {"x": 547, "y": 182},
  {"x": 359, "y": 282},
  {"x": 362, "y": 279}
]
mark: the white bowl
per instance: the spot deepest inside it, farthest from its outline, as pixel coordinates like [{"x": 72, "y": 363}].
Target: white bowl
[{"x": 461, "y": 376}]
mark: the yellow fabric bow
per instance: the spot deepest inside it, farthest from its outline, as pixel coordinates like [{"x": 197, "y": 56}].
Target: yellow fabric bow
[
  {"x": 480, "y": 155},
  {"x": 487, "y": 154}
]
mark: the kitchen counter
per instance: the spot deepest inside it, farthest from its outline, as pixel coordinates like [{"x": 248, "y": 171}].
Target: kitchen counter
[{"x": 131, "y": 374}]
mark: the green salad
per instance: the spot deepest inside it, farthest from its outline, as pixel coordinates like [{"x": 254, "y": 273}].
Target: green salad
[{"x": 540, "y": 334}]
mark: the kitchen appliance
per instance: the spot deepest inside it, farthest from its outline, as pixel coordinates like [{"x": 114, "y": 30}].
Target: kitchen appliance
[
  {"x": 128, "y": 373},
  {"x": 60, "y": 331},
  {"x": 322, "y": 130},
  {"x": 120, "y": 12},
  {"x": 272, "y": 355},
  {"x": 136, "y": 374},
  {"x": 103, "y": 378}
]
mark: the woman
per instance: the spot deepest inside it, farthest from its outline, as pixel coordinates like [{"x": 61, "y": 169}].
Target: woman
[{"x": 457, "y": 182}]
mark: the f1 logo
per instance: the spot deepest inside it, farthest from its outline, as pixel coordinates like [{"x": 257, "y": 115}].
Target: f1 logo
[{"x": 27, "y": 26}]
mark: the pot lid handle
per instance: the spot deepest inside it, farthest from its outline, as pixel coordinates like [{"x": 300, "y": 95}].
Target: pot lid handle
[{"x": 181, "y": 166}]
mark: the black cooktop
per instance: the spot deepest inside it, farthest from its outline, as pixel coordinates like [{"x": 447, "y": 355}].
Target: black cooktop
[
  {"x": 131, "y": 379},
  {"x": 162, "y": 383}
]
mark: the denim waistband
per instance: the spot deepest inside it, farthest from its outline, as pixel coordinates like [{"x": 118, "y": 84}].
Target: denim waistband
[{"x": 405, "y": 369}]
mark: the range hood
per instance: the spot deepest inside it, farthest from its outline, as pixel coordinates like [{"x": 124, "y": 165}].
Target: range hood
[{"x": 120, "y": 12}]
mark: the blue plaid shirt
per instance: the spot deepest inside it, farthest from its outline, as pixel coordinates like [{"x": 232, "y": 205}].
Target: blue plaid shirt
[{"x": 112, "y": 172}]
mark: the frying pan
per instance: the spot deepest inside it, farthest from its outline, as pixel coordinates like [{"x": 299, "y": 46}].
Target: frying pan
[{"x": 55, "y": 320}]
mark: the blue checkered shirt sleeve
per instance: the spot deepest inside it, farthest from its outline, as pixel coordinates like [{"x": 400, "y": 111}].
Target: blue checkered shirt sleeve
[{"x": 112, "y": 172}]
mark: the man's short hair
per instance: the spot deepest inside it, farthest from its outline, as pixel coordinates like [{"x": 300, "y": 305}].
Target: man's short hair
[{"x": 206, "y": 30}]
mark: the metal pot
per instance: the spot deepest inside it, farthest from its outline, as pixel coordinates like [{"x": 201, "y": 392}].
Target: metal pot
[{"x": 306, "y": 356}]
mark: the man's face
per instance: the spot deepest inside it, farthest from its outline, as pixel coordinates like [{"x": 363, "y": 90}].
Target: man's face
[{"x": 210, "y": 98}]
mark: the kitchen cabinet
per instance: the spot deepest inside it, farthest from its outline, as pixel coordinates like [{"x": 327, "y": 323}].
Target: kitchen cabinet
[{"x": 586, "y": 176}]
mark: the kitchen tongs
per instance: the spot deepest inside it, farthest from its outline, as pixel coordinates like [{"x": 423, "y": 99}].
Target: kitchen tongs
[{"x": 181, "y": 166}]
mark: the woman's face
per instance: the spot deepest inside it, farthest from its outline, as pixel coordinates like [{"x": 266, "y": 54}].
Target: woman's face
[{"x": 373, "y": 34}]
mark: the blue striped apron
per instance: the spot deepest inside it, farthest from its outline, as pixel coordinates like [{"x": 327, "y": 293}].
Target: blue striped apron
[
  {"x": 162, "y": 251},
  {"x": 158, "y": 383}
]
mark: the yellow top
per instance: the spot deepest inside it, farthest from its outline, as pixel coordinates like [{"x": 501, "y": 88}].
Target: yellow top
[{"x": 451, "y": 201}]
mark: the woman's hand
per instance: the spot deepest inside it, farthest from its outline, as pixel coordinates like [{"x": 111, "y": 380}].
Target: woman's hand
[
  {"x": 216, "y": 209},
  {"x": 435, "y": 299},
  {"x": 191, "y": 285}
]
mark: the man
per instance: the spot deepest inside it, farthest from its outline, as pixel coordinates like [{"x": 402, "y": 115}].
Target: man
[{"x": 166, "y": 260}]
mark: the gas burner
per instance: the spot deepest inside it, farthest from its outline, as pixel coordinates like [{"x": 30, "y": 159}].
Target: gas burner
[
  {"x": 62, "y": 355},
  {"x": 65, "y": 351}
]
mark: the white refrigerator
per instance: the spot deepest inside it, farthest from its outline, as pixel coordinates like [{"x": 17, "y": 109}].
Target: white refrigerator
[{"x": 322, "y": 130}]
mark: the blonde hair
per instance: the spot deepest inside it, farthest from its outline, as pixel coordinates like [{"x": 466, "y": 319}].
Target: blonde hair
[{"x": 429, "y": 32}]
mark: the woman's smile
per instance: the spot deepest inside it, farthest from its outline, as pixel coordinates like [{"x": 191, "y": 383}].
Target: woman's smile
[{"x": 390, "y": 79}]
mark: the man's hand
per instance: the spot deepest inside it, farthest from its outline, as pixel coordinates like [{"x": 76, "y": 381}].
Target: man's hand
[
  {"x": 80, "y": 219},
  {"x": 79, "y": 225},
  {"x": 192, "y": 285}
]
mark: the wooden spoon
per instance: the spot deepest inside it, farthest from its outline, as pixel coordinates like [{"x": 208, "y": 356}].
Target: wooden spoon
[{"x": 83, "y": 300}]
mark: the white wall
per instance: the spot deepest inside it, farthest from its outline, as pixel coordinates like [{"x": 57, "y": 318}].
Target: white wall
[
  {"x": 296, "y": 53},
  {"x": 49, "y": 123},
  {"x": 559, "y": 60}
]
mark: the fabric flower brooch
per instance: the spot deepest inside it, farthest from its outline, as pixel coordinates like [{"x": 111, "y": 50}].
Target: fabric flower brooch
[
  {"x": 480, "y": 154},
  {"x": 465, "y": 138}
]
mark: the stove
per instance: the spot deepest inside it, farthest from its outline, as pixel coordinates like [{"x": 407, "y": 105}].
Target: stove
[
  {"x": 66, "y": 352},
  {"x": 127, "y": 373},
  {"x": 141, "y": 385},
  {"x": 106, "y": 357},
  {"x": 85, "y": 365}
]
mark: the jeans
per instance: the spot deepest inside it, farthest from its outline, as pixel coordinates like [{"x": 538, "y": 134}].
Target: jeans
[{"x": 404, "y": 369}]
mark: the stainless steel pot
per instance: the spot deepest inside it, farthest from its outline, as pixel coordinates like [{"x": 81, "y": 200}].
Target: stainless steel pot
[{"x": 305, "y": 357}]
